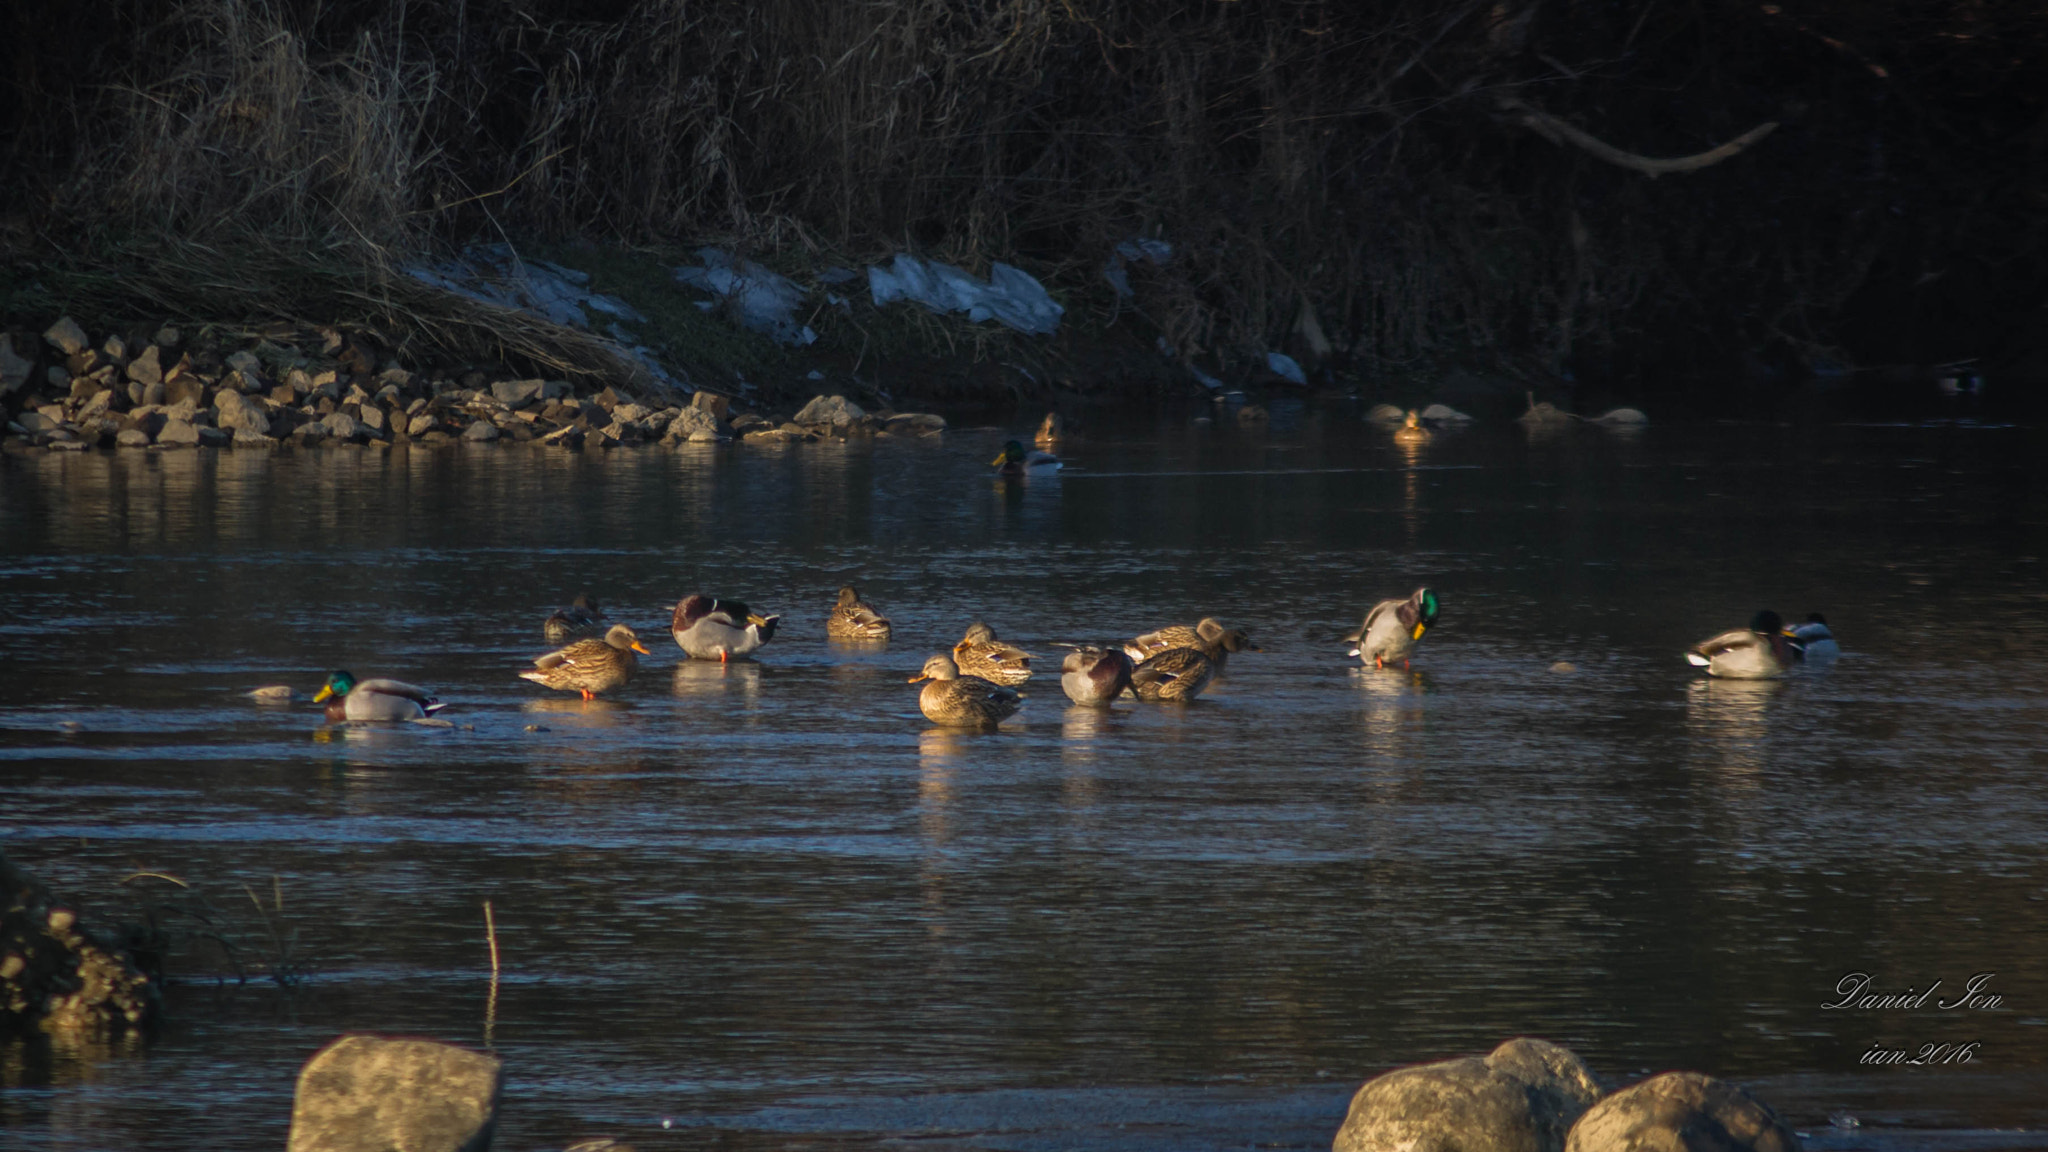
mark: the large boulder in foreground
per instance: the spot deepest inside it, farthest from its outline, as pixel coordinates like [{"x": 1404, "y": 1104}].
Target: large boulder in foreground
[
  {"x": 380, "y": 1094},
  {"x": 1523, "y": 1097},
  {"x": 1681, "y": 1112},
  {"x": 56, "y": 975}
]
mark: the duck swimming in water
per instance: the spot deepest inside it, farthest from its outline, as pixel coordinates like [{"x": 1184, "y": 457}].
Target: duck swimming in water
[
  {"x": 979, "y": 653},
  {"x": 348, "y": 698},
  {"x": 962, "y": 701},
  {"x": 1017, "y": 460},
  {"x": 855, "y": 619},
  {"x": 578, "y": 619},
  {"x": 1815, "y": 639},
  {"x": 1762, "y": 651}
]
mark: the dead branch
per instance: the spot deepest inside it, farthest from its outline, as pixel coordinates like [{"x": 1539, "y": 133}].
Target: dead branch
[{"x": 1562, "y": 132}]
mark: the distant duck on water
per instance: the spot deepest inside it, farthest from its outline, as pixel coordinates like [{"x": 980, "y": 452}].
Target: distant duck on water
[
  {"x": 1762, "y": 651},
  {"x": 1017, "y": 460},
  {"x": 1411, "y": 430},
  {"x": 1815, "y": 638},
  {"x": 348, "y": 698},
  {"x": 592, "y": 665},
  {"x": 855, "y": 619},
  {"x": 578, "y": 619}
]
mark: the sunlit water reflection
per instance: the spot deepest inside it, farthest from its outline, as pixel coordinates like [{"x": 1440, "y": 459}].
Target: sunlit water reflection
[{"x": 768, "y": 903}]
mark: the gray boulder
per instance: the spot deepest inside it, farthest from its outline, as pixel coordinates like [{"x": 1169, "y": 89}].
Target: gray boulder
[
  {"x": 1681, "y": 1112},
  {"x": 132, "y": 438},
  {"x": 213, "y": 437},
  {"x": 147, "y": 368},
  {"x": 54, "y": 973},
  {"x": 67, "y": 337},
  {"x": 833, "y": 411},
  {"x": 240, "y": 414},
  {"x": 691, "y": 421},
  {"x": 245, "y": 362},
  {"x": 1523, "y": 1097},
  {"x": 342, "y": 426},
  {"x": 15, "y": 369},
  {"x": 178, "y": 434},
  {"x": 376, "y": 1094},
  {"x": 719, "y": 406},
  {"x": 518, "y": 393},
  {"x": 420, "y": 425},
  {"x": 372, "y": 418},
  {"x": 480, "y": 431}
]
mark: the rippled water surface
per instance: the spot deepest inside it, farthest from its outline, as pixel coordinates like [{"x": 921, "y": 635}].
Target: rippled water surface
[{"x": 766, "y": 905}]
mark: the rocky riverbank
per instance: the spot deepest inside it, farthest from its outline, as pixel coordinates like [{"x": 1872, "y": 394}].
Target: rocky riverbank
[
  {"x": 57, "y": 975},
  {"x": 69, "y": 392}
]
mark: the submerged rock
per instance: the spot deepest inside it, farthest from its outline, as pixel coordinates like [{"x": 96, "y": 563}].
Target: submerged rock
[
  {"x": 1523, "y": 1097},
  {"x": 57, "y": 976},
  {"x": 1681, "y": 1112},
  {"x": 378, "y": 1094}
]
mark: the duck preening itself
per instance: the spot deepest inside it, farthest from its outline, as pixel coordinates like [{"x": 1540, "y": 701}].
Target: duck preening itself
[
  {"x": 979, "y": 653},
  {"x": 1092, "y": 677},
  {"x": 854, "y": 619},
  {"x": 962, "y": 701},
  {"x": 1209, "y": 635},
  {"x": 592, "y": 665},
  {"x": 580, "y": 618},
  {"x": 348, "y": 698},
  {"x": 1759, "y": 652},
  {"x": 1174, "y": 676},
  {"x": 1392, "y": 627},
  {"x": 707, "y": 628}
]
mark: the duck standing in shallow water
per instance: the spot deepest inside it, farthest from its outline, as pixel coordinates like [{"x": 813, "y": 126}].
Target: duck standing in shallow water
[
  {"x": 962, "y": 701},
  {"x": 979, "y": 653},
  {"x": 373, "y": 700},
  {"x": 578, "y": 619},
  {"x": 1017, "y": 460},
  {"x": 1815, "y": 640},
  {"x": 1209, "y": 635},
  {"x": 707, "y": 628},
  {"x": 598, "y": 664},
  {"x": 1092, "y": 677},
  {"x": 1759, "y": 652},
  {"x": 854, "y": 619},
  {"x": 1392, "y": 627},
  {"x": 1175, "y": 676}
]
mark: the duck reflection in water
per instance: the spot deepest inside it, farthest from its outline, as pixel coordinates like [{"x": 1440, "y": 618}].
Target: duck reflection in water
[
  {"x": 598, "y": 713},
  {"x": 1729, "y": 723},
  {"x": 1391, "y": 722},
  {"x": 735, "y": 680}
]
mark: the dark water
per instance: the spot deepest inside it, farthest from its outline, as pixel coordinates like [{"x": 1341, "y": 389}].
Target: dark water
[{"x": 767, "y": 906}]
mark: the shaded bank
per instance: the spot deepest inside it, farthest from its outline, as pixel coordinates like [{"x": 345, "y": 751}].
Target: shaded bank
[{"x": 1392, "y": 187}]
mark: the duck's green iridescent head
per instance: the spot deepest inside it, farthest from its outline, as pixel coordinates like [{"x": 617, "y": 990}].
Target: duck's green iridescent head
[
  {"x": 338, "y": 684},
  {"x": 1767, "y": 623},
  {"x": 1428, "y": 598},
  {"x": 1013, "y": 452}
]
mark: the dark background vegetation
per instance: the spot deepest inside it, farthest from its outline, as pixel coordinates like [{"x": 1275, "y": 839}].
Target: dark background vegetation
[{"x": 1371, "y": 165}]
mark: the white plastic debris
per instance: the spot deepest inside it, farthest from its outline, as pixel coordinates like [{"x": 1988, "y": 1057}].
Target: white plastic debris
[
  {"x": 766, "y": 300},
  {"x": 1285, "y": 368},
  {"x": 1010, "y": 296},
  {"x": 1130, "y": 252}
]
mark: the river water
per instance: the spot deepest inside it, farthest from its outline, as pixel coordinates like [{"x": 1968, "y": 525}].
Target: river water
[{"x": 766, "y": 905}]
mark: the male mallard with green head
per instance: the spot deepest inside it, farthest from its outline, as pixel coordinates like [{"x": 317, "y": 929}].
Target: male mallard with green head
[
  {"x": 1392, "y": 628},
  {"x": 708, "y": 628},
  {"x": 1017, "y": 460},
  {"x": 1761, "y": 651},
  {"x": 962, "y": 701},
  {"x": 590, "y": 666},
  {"x": 348, "y": 698},
  {"x": 979, "y": 653},
  {"x": 855, "y": 619}
]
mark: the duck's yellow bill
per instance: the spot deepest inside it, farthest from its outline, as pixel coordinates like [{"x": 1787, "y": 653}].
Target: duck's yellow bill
[
  {"x": 756, "y": 620},
  {"x": 916, "y": 678},
  {"x": 1419, "y": 630},
  {"x": 637, "y": 647},
  {"x": 324, "y": 692},
  {"x": 999, "y": 459}
]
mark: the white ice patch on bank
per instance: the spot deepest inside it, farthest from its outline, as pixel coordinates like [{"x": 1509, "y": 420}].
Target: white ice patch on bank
[
  {"x": 765, "y": 300},
  {"x": 1009, "y": 296}
]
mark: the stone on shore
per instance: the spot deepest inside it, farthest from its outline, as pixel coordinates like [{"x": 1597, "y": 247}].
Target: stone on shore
[
  {"x": 1523, "y": 1097},
  {"x": 481, "y": 431},
  {"x": 918, "y": 423},
  {"x": 378, "y": 1094},
  {"x": 67, "y": 337},
  {"x": 830, "y": 411},
  {"x": 237, "y": 412},
  {"x": 692, "y": 422},
  {"x": 720, "y": 407},
  {"x": 1681, "y": 1112},
  {"x": 178, "y": 434},
  {"x": 15, "y": 369},
  {"x": 518, "y": 393},
  {"x": 55, "y": 973}
]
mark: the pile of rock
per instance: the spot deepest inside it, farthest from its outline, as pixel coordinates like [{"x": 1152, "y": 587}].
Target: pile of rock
[
  {"x": 164, "y": 394},
  {"x": 57, "y": 976},
  {"x": 1533, "y": 1096}
]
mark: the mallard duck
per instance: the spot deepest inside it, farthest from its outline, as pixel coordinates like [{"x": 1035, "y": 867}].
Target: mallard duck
[
  {"x": 1411, "y": 430},
  {"x": 962, "y": 701},
  {"x": 592, "y": 665},
  {"x": 1177, "y": 674},
  {"x": 1760, "y": 652},
  {"x": 1392, "y": 628},
  {"x": 1092, "y": 677},
  {"x": 854, "y": 619},
  {"x": 1215, "y": 641},
  {"x": 1050, "y": 431},
  {"x": 1543, "y": 413},
  {"x": 710, "y": 629},
  {"x": 348, "y": 698},
  {"x": 1384, "y": 414},
  {"x": 1815, "y": 640},
  {"x": 578, "y": 619},
  {"x": 979, "y": 653},
  {"x": 1444, "y": 414},
  {"x": 1017, "y": 460}
]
